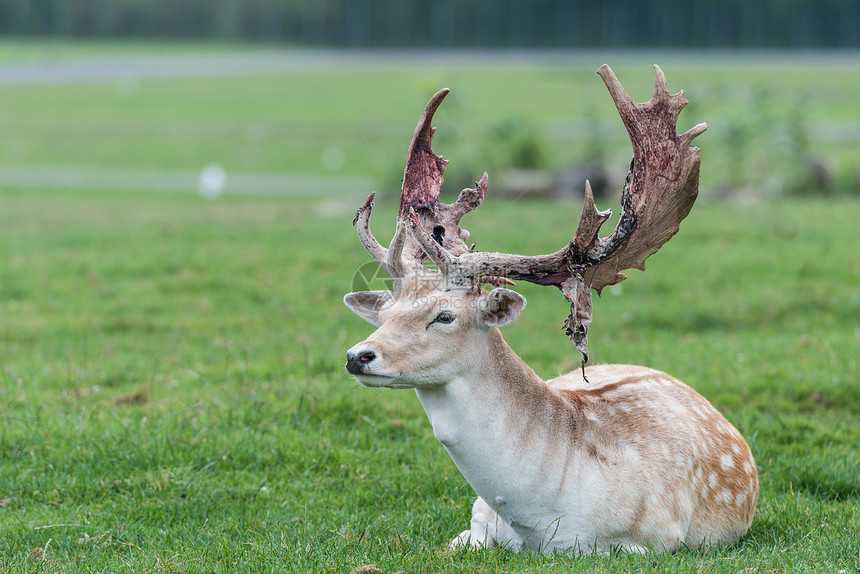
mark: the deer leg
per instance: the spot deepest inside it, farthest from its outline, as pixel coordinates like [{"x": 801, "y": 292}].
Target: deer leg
[{"x": 487, "y": 529}]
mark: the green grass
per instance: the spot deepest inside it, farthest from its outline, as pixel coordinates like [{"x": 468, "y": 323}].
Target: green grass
[
  {"x": 172, "y": 394},
  {"x": 173, "y": 397}
]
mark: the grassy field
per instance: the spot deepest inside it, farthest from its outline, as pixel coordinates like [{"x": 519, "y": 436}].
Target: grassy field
[
  {"x": 172, "y": 392},
  {"x": 173, "y": 396}
]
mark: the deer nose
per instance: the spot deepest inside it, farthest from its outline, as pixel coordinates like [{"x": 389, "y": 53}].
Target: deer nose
[{"x": 355, "y": 362}]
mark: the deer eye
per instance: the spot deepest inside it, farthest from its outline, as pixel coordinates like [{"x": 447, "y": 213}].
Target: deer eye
[{"x": 444, "y": 317}]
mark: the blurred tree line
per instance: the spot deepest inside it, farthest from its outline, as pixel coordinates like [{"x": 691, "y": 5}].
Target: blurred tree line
[{"x": 440, "y": 23}]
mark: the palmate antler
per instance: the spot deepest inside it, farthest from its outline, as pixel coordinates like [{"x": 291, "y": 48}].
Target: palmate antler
[
  {"x": 422, "y": 183},
  {"x": 660, "y": 190}
]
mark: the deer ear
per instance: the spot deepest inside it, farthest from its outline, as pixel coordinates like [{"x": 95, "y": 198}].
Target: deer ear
[
  {"x": 367, "y": 304},
  {"x": 500, "y": 307}
]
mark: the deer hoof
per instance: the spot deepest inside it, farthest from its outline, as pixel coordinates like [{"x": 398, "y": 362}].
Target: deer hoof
[{"x": 465, "y": 540}]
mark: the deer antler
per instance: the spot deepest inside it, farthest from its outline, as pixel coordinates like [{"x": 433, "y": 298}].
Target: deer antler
[
  {"x": 422, "y": 183},
  {"x": 660, "y": 190},
  {"x": 663, "y": 181},
  {"x": 661, "y": 187}
]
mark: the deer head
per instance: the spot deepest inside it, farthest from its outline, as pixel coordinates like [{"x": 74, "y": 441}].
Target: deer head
[{"x": 432, "y": 312}]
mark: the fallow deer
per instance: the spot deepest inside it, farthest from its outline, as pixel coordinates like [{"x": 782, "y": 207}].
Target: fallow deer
[{"x": 611, "y": 457}]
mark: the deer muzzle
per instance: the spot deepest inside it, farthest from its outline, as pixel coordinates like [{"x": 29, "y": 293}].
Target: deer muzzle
[{"x": 358, "y": 360}]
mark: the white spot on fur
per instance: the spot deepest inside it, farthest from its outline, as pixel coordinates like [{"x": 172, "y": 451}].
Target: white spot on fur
[
  {"x": 736, "y": 449},
  {"x": 726, "y": 496},
  {"x": 726, "y": 461},
  {"x": 747, "y": 468},
  {"x": 713, "y": 480}
]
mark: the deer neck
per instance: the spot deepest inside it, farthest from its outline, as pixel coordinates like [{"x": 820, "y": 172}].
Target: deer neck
[{"x": 494, "y": 414}]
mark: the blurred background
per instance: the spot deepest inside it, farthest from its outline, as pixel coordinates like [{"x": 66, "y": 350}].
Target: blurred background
[
  {"x": 451, "y": 23},
  {"x": 320, "y": 97}
]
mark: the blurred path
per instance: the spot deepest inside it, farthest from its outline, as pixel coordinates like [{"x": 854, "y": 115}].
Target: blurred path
[
  {"x": 251, "y": 62},
  {"x": 161, "y": 64},
  {"x": 207, "y": 182},
  {"x": 158, "y": 66}
]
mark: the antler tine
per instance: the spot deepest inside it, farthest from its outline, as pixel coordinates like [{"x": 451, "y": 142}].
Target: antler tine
[
  {"x": 470, "y": 198},
  {"x": 693, "y": 132},
  {"x": 391, "y": 258},
  {"x": 397, "y": 265},
  {"x": 423, "y": 174},
  {"x": 362, "y": 226},
  {"x": 590, "y": 221}
]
